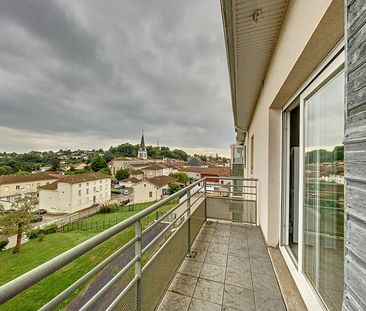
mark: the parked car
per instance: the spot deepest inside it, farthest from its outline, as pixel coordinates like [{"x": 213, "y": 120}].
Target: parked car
[
  {"x": 124, "y": 202},
  {"x": 36, "y": 218},
  {"x": 42, "y": 211}
]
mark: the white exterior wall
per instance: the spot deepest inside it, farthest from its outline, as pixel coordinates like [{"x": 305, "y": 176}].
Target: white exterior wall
[
  {"x": 118, "y": 164},
  {"x": 153, "y": 173},
  {"x": 9, "y": 190},
  {"x": 48, "y": 200},
  {"x": 68, "y": 199},
  {"x": 141, "y": 192},
  {"x": 295, "y": 34}
]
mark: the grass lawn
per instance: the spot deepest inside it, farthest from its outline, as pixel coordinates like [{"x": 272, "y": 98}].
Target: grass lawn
[{"x": 35, "y": 253}]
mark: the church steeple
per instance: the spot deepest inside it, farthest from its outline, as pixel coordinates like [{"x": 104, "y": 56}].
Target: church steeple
[
  {"x": 142, "y": 144},
  {"x": 142, "y": 153}
]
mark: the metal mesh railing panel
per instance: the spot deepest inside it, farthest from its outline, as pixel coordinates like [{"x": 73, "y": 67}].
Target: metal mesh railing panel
[
  {"x": 218, "y": 208},
  {"x": 238, "y": 210},
  {"x": 197, "y": 220},
  {"x": 128, "y": 302},
  {"x": 160, "y": 271}
]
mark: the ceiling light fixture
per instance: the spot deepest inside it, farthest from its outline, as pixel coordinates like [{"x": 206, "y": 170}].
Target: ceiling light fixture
[{"x": 256, "y": 15}]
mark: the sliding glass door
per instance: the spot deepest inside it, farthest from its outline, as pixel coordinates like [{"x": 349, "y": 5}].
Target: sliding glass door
[
  {"x": 313, "y": 186},
  {"x": 324, "y": 191}
]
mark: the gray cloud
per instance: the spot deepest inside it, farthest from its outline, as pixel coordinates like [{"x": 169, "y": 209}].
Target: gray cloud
[{"x": 107, "y": 69}]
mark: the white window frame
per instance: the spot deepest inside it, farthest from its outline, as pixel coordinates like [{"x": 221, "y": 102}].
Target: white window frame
[{"x": 330, "y": 66}]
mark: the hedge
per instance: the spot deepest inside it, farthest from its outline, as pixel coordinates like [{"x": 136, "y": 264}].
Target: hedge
[
  {"x": 105, "y": 209},
  {"x": 49, "y": 229},
  {"x": 45, "y": 230},
  {"x": 3, "y": 244}
]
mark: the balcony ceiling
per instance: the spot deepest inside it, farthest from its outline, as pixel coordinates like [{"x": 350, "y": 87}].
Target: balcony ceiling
[{"x": 251, "y": 29}]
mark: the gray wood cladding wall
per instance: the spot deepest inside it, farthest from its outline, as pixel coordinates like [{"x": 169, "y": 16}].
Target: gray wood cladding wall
[{"x": 355, "y": 157}]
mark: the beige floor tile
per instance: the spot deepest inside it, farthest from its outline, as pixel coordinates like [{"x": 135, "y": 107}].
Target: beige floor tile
[
  {"x": 183, "y": 284},
  {"x": 213, "y": 273},
  {"x": 238, "y": 298},
  {"x": 216, "y": 259},
  {"x": 239, "y": 278},
  {"x": 192, "y": 268},
  {"x": 209, "y": 291},
  {"x": 174, "y": 302},
  {"x": 201, "y": 305},
  {"x": 218, "y": 248}
]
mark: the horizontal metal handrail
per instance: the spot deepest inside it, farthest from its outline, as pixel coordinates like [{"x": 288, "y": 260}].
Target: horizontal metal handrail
[
  {"x": 68, "y": 291},
  {"x": 23, "y": 282},
  {"x": 110, "y": 283},
  {"x": 156, "y": 222},
  {"x": 161, "y": 234},
  {"x": 231, "y": 178},
  {"x": 123, "y": 293}
]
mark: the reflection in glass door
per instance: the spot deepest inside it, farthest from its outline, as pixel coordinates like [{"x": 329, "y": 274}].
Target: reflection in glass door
[{"x": 324, "y": 191}]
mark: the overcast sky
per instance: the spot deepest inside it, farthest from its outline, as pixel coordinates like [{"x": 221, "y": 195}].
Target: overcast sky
[{"x": 90, "y": 74}]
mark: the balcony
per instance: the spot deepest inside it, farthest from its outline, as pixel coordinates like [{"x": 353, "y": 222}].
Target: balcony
[
  {"x": 230, "y": 270},
  {"x": 205, "y": 253}
]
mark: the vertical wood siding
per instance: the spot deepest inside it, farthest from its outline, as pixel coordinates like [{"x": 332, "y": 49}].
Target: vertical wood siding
[{"x": 355, "y": 157}]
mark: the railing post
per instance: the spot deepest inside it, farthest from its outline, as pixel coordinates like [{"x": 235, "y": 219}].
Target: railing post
[
  {"x": 205, "y": 196},
  {"x": 256, "y": 202},
  {"x": 138, "y": 248},
  {"x": 189, "y": 219}
]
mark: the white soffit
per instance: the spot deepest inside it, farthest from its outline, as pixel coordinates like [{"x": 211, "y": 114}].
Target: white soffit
[{"x": 251, "y": 29}]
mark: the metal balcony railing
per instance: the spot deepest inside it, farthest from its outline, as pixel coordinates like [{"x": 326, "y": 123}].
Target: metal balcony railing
[{"x": 144, "y": 279}]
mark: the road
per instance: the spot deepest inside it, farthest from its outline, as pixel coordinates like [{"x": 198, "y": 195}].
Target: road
[{"x": 108, "y": 273}]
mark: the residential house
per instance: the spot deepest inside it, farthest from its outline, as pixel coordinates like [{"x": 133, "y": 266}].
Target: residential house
[
  {"x": 12, "y": 186},
  {"x": 75, "y": 192},
  {"x": 154, "y": 170},
  {"x": 151, "y": 189},
  {"x": 123, "y": 163},
  {"x": 195, "y": 161},
  {"x": 213, "y": 174},
  {"x": 129, "y": 182},
  {"x": 136, "y": 174}
]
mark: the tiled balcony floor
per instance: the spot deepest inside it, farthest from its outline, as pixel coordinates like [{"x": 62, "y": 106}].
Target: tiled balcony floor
[{"x": 231, "y": 271}]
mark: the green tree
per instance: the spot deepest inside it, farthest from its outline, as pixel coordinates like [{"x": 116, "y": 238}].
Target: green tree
[
  {"x": 122, "y": 174},
  {"x": 173, "y": 188},
  {"x": 108, "y": 156},
  {"x": 18, "y": 221},
  {"x": 181, "y": 177},
  {"x": 55, "y": 164},
  {"x": 106, "y": 170},
  {"x": 5, "y": 170},
  {"x": 97, "y": 163},
  {"x": 180, "y": 154}
]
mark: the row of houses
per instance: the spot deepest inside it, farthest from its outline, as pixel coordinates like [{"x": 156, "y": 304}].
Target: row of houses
[
  {"x": 13, "y": 185},
  {"x": 57, "y": 193}
]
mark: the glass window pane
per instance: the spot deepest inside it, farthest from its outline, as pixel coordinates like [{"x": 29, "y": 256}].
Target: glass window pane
[{"x": 324, "y": 191}]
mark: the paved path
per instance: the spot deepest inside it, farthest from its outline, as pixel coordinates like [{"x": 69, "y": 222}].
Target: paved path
[{"x": 108, "y": 273}]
